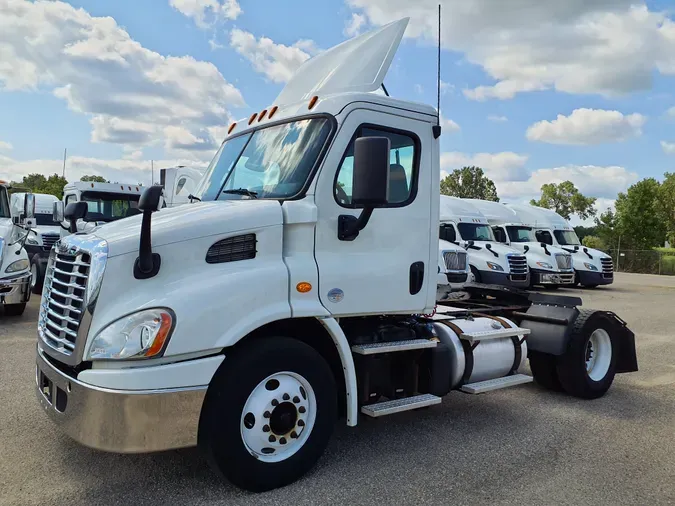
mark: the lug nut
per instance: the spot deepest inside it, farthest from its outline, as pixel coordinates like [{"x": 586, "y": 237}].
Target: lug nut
[
  {"x": 301, "y": 423},
  {"x": 282, "y": 440},
  {"x": 302, "y": 409},
  {"x": 266, "y": 414},
  {"x": 275, "y": 402},
  {"x": 286, "y": 397},
  {"x": 272, "y": 439},
  {"x": 294, "y": 435},
  {"x": 296, "y": 399},
  {"x": 266, "y": 428}
]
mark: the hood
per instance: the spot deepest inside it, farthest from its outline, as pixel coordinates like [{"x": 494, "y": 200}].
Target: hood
[
  {"x": 448, "y": 246},
  {"x": 497, "y": 247},
  {"x": 191, "y": 221},
  {"x": 581, "y": 253},
  {"x": 537, "y": 249},
  {"x": 357, "y": 65},
  {"x": 47, "y": 230}
]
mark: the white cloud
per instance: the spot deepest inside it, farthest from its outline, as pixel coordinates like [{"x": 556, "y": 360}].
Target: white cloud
[
  {"x": 129, "y": 92},
  {"x": 504, "y": 166},
  {"x": 668, "y": 147},
  {"x": 591, "y": 180},
  {"x": 497, "y": 119},
  {"x": 182, "y": 139},
  {"x": 355, "y": 24},
  {"x": 276, "y": 61},
  {"x": 207, "y": 12},
  {"x": 449, "y": 125},
  {"x": 418, "y": 89},
  {"x": 607, "y": 47},
  {"x": 6, "y": 146},
  {"x": 446, "y": 87},
  {"x": 671, "y": 112},
  {"x": 587, "y": 127}
]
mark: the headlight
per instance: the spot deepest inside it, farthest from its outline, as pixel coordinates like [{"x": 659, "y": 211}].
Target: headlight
[
  {"x": 139, "y": 335},
  {"x": 544, "y": 265},
  {"x": 32, "y": 240},
  {"x": 19, "y": 265},
  {"x": 590, "y": 267},
  {"x": 495, "y": 267}
]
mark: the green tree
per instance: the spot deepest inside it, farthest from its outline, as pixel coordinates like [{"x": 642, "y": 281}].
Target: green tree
[
  {"x": 37, "y": 183},
  {"x": 582, "y": 231},
  {"x": 638, "y": 219},
  {"x": 606, "y": 228},
  {"x": 94, "y": 179},
  {"x": 666, "y": 204},
  {"x": 593, "y": 241},
  {"x": 565, "y": 199},
  {"x": 469, "y": 183}
]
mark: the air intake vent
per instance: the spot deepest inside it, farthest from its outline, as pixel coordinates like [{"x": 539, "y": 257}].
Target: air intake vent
[{"x": 241, "y": 247}]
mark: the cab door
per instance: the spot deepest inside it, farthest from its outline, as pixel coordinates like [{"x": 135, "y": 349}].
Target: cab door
[{"x": 389, "y": 267}]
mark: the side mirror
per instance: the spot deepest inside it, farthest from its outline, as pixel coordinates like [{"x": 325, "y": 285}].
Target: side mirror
[
  {"x": 58, "y": 212},
  {"x": 73, "y": 212},
  {"x": 29, "y": 206},
  {"x": 151, "y": 199},
  {"x": 370, "y": 184},
  {"x": 148, "y": 263}
]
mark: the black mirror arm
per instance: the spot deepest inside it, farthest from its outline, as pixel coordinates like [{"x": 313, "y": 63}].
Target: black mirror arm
[
  {"x": 349, "y": 226},
  {"x": 526, "y": 248},
  {"x": 147, "y": 264},
  {"x": 543, "y": 245},
  {"x": 587, "y": 253},
  {"x": 489, "y": 248}
]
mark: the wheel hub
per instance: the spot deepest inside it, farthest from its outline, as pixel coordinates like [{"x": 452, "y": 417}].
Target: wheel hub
[
  {"x": 283, "y": 419},
  {"x": 598, "y": 354}
]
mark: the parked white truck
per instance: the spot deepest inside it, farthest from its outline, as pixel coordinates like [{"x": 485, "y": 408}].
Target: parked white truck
[
  {"x": 179, "y": 183},
  {"x": 453, "y": 269},
  {"x": 592, "y": 267},
  {"x": 45, "y": 234},
  {"x": 491, "y": 262},
  {"x": 294, "y": 292},
  {"x": 15, "y": 275},
  {"x": 549, "y": 266}
]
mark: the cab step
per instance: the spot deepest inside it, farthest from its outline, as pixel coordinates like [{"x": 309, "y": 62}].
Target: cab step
[
  {"x": 399, "y": 405},
  {"x": 389, "y": 346},
  {"x": 496, "y": 384},
  {"x": 484, "y": 335}
]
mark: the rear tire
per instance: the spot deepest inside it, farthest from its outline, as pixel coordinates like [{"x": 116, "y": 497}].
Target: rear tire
[
  {"x": 544, "y": 370},
  {"x": 265, "y": 378},
  {"x": 37, "y": 269},
  {"x": 588, "y": 366},
  {"x": 15, "y": 309}
]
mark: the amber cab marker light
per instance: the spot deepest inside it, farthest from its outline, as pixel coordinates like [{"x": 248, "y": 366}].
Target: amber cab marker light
[
  {"x": 262, "y": 115},
  {"x": 229, "y": 130},
  {"x": 303, "y": 287},
  {"x": 252, "y": 119},
  {"x": 273, "y": 110},
  {"x": 312, "y": 102},
  {"x": 164, "y": 328}
]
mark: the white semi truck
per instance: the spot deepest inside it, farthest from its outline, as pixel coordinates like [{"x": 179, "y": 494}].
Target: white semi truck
[
  {"x": 491, "y": 262},
  {"x": 592, "y": 267},
  {"x": 248, "y": 322},
  {"x": 549, "y": 266},
  {"x": 179, "y": 183},
  {"x": 453, "y": 269},
  {"x": 15, "y": 278}
]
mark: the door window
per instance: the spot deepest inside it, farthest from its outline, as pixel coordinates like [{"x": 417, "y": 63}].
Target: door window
[
  {"x": 499, "y": 234},
  {"x": 403, "y": 161},
  {"x": 447, "y": 233}
]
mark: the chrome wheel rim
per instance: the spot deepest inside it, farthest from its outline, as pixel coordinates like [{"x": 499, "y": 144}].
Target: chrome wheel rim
[
  {"x": 598, "y": 354},
  {"x": 34, "y": 275},
  {"x": 278, "y": 417}
]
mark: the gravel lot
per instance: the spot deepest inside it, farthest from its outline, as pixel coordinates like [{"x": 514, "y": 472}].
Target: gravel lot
[{"x": 516, "y": 446}]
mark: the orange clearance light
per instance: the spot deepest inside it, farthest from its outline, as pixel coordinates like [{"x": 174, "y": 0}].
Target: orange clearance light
[
  {"x": 262, "y": 115},
  {"x": 273, "y": 110},
  {"x": 252, "y": 118},
  {"x": 303, "y": 287},
  {"x": 312, "y": 102},
  {"x": 229, "y": 130}
]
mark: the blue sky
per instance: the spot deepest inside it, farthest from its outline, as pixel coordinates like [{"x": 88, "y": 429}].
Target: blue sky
[{"x": 534, "y": 91}]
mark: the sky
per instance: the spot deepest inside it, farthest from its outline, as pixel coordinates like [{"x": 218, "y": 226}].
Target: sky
[{"x": 533, "y": 91}]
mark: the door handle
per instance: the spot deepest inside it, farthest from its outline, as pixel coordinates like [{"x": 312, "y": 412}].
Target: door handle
[{"x": 416, "y": 277}]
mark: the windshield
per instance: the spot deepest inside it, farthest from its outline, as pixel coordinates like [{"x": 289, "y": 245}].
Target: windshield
[
  {"x": 475, "y": 232},
  {"x": 273, "y": 162},
  {"x": 566, "y": 237},
  {"x": 4, "y": 203},
  {"x": 521, "y": 234},
  {"x": 45, "y": 220},
  {"x": 109, "y": 206}
]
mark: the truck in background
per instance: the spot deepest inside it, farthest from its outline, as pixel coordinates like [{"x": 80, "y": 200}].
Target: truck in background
[
  {"x": 453, "y": 269},
  {"x": 179, "y": 183},
  {"x": 549, "y": 266},
  {"x": 246, "y": 322},
  {"x": 15, "y": 277},
  {"x": 591, "y": 267},
  {"x": 490, "y": 262},
  {"x": 45, "y": 234}
]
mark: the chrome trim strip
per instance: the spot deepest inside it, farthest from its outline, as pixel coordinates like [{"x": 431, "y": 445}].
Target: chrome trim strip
[
  {"x": 65, "y": 273},
  {"x": 62, "y": 306}
]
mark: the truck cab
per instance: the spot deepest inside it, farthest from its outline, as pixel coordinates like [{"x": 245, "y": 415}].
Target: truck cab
[
  {"x": 453, "y": 269},
  {"x": 179, "y": 183},
  {"x": 549, "y": 266},
  {"x": 491, "y": 262},
  {"x": 591, "y": 267},
  {"x": 15, "y": 277}
]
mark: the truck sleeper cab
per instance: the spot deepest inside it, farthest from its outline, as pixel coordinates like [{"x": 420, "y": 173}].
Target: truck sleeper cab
[
  {"x": 293, "y": 293},
  {"x": 549, "y": 266},
  {"x": 490, "y": 262},
  {"x": 591, "y": 267}
]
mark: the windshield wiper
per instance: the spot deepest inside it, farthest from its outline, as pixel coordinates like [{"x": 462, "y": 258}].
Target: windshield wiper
[
  {"x": 192, "y": 197},
  {"x": 242, "y": 191}
]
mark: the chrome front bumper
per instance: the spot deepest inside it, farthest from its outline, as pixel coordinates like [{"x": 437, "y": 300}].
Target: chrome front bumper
[
  {"x": 121, "y": 421},
  {"x": 15, "y": 290}
]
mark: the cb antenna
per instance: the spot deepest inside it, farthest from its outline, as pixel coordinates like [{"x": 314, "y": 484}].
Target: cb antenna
[{"x": 437, "y": 127}]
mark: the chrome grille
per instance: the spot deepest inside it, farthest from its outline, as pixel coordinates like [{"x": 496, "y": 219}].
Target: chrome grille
[
  {"x": 564, "y": 261},
  {"x": 607, "y": 265},
  {"x": 63, "y": 298},
  {"x": 517, "y": 264},
  {"x": 455, "y": 260},
  {"x": 49, "y": 240}
]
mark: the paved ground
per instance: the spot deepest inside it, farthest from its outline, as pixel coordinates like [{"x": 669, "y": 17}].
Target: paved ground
[{"x": 517, "y": 446}]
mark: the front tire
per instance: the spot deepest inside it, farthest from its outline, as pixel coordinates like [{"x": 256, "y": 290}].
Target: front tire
[
  {"x": 268, "y": 414},
  {"x": 588, "y": 366},
  {"x": 37, "y": 269},
  {"x": 15, "y": 309}
]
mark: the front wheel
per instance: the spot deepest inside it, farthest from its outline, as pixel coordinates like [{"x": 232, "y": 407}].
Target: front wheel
[
  {"x": 268, "y": 414},
  {"x": 37, "y": 270}
]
